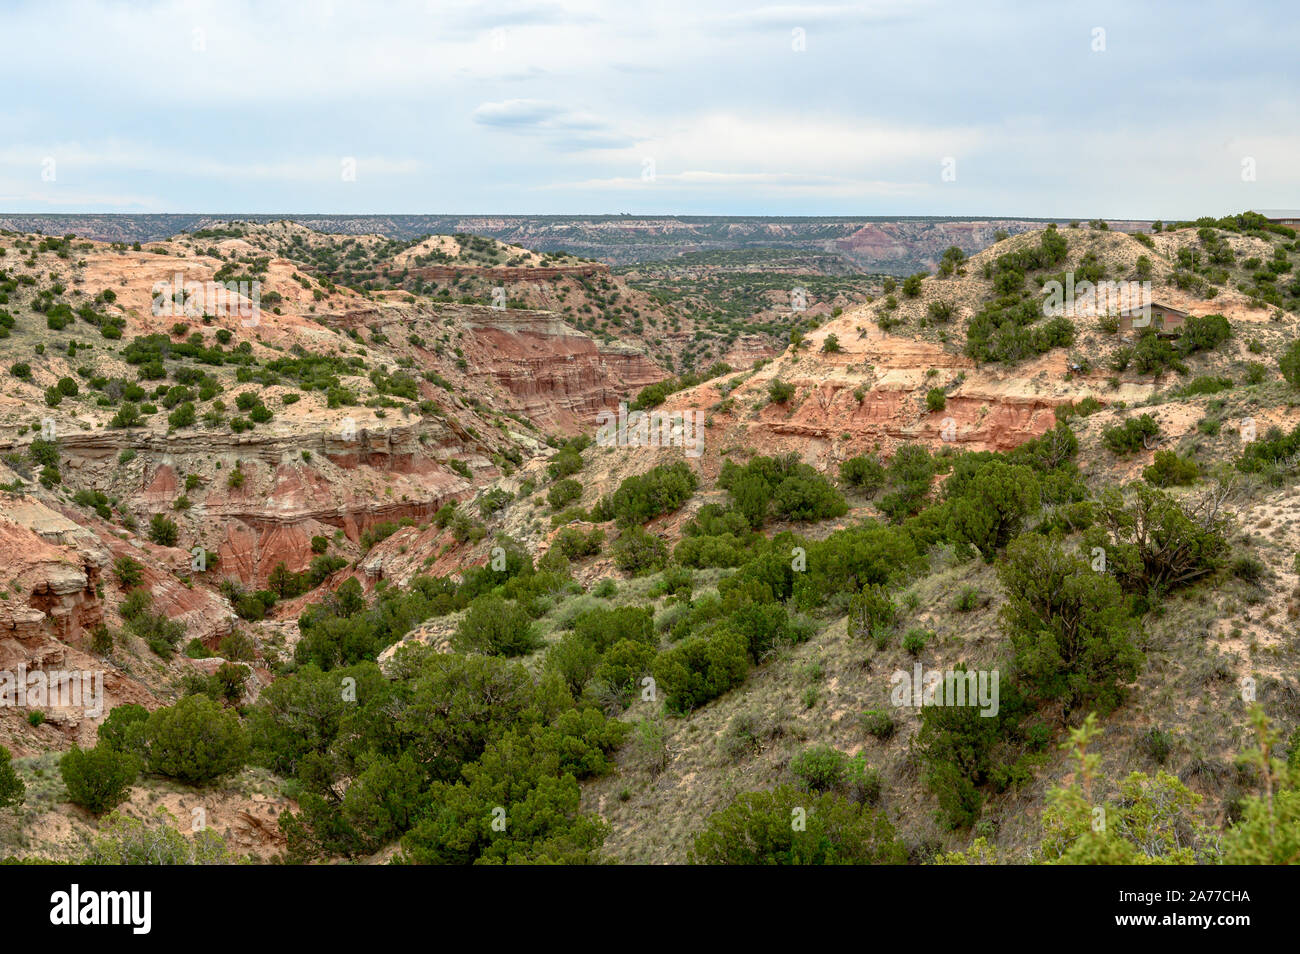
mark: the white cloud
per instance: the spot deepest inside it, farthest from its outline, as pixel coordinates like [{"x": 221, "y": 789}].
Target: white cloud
[
  {"x": 771, "y": 184},
  {"x": 17, "y": 197},
  {"x": 816, "y": 144},
  {"x": 566, "y": 129},
  {"x": 793, "y": 15},
  {"x": 145, "y": 157},
  {"x": 482, "y": 105}
]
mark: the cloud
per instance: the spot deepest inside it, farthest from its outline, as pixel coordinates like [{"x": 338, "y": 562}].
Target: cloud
[
  {"x": 15, "y": 196},
  {"x": 518, "y": 112},
  {"x": 823, "y": 143},
  {"x": 769, "y": 184},
  {"x": 490, "y": 105},
  {"x": 471, "y": 15},
  {"x": 142, "y": 157},
  {"x": 566, "y": 129},
  {"x": 840, "y": 15}
]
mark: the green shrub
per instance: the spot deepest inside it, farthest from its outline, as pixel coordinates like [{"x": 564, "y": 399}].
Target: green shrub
[
  {"x": 1206, "y": 384},
  {"x": 638, "y": 551},
  {"x": 1157, "y": 543},
  {"x": 1130, "y": 437},
  {"x": 1154, "y": 355},
  {"x": 602, "y": 628},
  {"x": 779, "y": 392},
  {"x": 611, "y": 647},
  {"x": 1069, "y": 630},
  {"x": 871, "y": 612},
  {"x": 1203, "y": 333},
  {"x": 879, "y": 724},
  {"x": 100, "y": 778},
  {"x": 1157, "y": 744},
  {"x": 496, "y": 627},
  {"x": 864, "y": 474},
  {"x": 163, "y": 531},
  {"x": 1170, "y": 470},
  {"x": 781, "y": 487},
  {"x": 742, "y": 737},
  {"x": 701, "y": 668},
  {"x": 563, "y": 493},
  {"x": 807, "y": 496},
  {"x": 758, "y": 829},
  {"x": 907, "y": 482},
  {"x": 12, "y": 790},
  {"x": 819, "y": 768},
  {"x": 1249, "y": 568},
  {"x": 378, "y": 533},
  {"x": 43, "y": 452},
  {"x": 861, "y": 784},
  {"x": 915, "y": 640},
  {"x": 941, "y": 310},
  {"x": 1289, "y": 364},
  {"x": 967, "y": 600},
  {"x": 575, "y": 544},
  {"x": 622, "y": 667},
  {"x": 183, "y": 416},
  {"x": 989, "y": 502},
  {"x": 128, "y": 415},
  {"x": 129, "y": 572},
  {"x": 101, "y": 640},
  {"x": 566, "y": 463},
  {"x": 494, "y": 501},
  {"x": 160, "y": 633},
  {"x": 237, "y": 646},
  {"x": 195, "y": 741},
  {"x": 640, "y": 498}
]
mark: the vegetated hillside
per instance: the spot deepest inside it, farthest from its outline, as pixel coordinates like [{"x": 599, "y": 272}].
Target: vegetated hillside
[
  {"x": 755, "y": 298},
  {"x": 757, "y": 261},
  {"x": 634, "y": 653},
  {"x": 328, "y": 408},
  {"x": 476, "y": 270},
  {"x": 168, "y": 475}
]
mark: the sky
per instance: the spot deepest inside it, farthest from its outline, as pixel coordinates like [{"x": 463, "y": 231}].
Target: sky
[{"x": 699, "y": 107}]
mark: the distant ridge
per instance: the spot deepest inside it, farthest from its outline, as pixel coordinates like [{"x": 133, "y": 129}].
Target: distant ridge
[{"x": 899, "y": 244}]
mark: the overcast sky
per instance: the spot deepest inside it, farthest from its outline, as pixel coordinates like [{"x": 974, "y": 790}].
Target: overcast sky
[{"x": 1124, "y": 109}]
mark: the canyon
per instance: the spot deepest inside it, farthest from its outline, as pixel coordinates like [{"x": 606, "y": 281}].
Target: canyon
[
  {"x": 898, "y": 246},
  {"x": 391, "y": 422}
]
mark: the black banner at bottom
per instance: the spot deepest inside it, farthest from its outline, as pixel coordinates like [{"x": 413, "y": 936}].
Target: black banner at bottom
[{"x": 139, "y": 905}]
